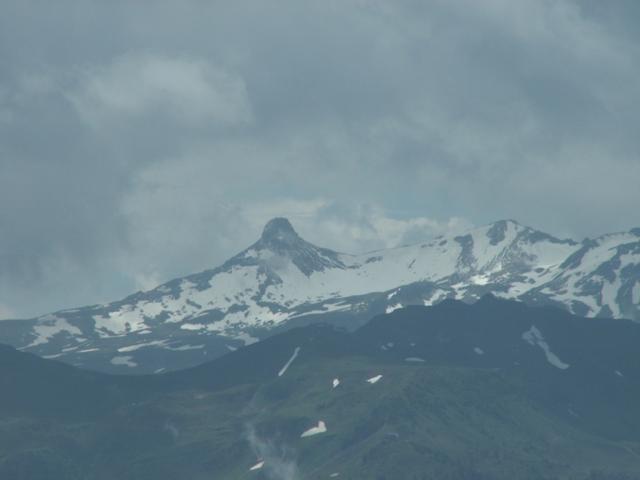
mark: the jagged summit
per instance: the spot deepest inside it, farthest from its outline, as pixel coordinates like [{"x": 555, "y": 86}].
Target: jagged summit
[
  {"x": 279, "y": 237},
  {"x": 279, "y": 233}
]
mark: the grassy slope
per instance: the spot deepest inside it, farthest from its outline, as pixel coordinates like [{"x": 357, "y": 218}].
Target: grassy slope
[{"x": 417, "y": 422}]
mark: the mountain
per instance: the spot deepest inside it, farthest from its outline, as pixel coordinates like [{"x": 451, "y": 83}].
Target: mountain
[
  {"x": 495, "y": 390},
  {"x": 282, "y": 281}
]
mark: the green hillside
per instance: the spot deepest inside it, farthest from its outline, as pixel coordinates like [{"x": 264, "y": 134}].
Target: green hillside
[{"x": 440, "y": 413}]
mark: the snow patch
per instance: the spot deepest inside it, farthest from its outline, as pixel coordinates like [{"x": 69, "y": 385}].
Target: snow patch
[
  {"x": 335, "y": 382},
  {"x": 133, "y": 348},
  {"x": 324, "y": 308},
  {"x": 534, "y": 337},
  {"x": 192, "y": 326},
  {"x": 618, "y": 373},
  {"x": 119, "y": 322},
  {"x": 50, "y": 326},
  {"x": 125, "y": 360},
  {"x": 246, "y": 338},
  {"x": 392, "y": 308},
  {"x": 480, "y": 279},
  {"x": 289, "y": 362},
  {"x": 435, "y": 297},
  {"x": 414, "y": 359},
  {"x": 635, "y": 293},
  {"x": 320, "y": 428},
  {"x": 478, "y": 351},
  {"x": 257, "y": 466},
  {"x": 375, "y": 379}
]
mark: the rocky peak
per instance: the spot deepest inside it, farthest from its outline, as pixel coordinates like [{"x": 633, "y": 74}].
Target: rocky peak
[
  {"x": 278, "y": 235},
  {"x": 279, "y": 228}
]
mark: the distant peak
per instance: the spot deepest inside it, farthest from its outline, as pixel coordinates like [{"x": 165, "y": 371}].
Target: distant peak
[
  {"x": 497, "y": 230},
  {"x": 279, "y": 237},
  {"x": 508, "y": 221},
  {"x": 278, "y": 228}
]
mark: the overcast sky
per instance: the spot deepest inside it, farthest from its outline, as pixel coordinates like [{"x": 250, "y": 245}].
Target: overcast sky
[{"x": 142, "y": 142}]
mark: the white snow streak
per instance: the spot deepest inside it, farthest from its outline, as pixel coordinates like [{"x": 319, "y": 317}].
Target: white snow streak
[
  {"x": 635, "y": 293},
  {"x": 534, "y": 337},
  {"x": 320, "y": 428},
  {"x": 375, "y": 379},
  {"x": 133, "y": 348},
  {"x": 289, "y": 362},
  {"x": 192, "y": 326}
]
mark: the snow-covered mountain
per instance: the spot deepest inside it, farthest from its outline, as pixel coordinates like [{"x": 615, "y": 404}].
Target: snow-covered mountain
[{"x": 283, "y": 280}]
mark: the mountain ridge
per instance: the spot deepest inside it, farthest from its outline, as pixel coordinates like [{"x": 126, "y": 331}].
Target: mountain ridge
[{"x": 282, "y": 280}]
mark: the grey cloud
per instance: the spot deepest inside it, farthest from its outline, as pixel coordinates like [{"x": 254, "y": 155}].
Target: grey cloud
[
  {"x": 143, "y": 86},
  {"x": 141, "y": 143}
]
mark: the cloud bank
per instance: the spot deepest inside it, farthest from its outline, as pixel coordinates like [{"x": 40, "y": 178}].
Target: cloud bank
[{"x": 138, "y": 143}]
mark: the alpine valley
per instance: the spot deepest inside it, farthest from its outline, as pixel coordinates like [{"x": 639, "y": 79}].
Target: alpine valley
[{"x": 283, "y": 281}]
